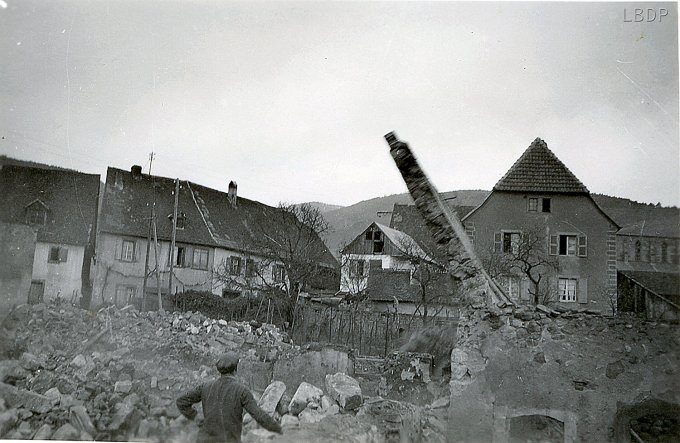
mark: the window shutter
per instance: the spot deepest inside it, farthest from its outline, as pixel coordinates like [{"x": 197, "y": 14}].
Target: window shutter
[
  {"x": 134, "y": 251},
  {"x": 497, "y": 242},
  {"x": 582, "y": 246},
  {"x": 119, "y": 249},
  {"x": 582, "y": 290},
  {"x": 554, "y": 242},
  {"x": 63, "y": 254}
]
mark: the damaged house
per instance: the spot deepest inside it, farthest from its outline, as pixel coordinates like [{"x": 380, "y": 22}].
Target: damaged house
[
  {"x": 391, "y": 270},
  {"x": 218, "y": 240},
  {"x": 60, "y": 208}
]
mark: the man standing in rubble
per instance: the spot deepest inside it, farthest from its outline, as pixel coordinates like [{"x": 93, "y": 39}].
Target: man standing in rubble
[{"x": 223, "y": 403}]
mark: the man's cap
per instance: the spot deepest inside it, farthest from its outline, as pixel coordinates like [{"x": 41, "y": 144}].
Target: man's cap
[{"x": 228, "y": 362}]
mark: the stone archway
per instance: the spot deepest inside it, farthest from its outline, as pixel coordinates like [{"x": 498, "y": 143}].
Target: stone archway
[
  {"x": 652, "y": 420},
  {"x": 533, "y": 424}
]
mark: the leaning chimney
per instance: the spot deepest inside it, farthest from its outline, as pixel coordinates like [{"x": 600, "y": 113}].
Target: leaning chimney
[
  {"x": 231, "y": 194},
  {"x": 136, "y": 171}
]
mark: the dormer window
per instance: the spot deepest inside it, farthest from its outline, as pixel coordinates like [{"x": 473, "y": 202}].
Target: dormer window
[
  {"x": 376, "y": 238},
  {"x": 36, "y": 213},
  {"x": 181, "y": 220}
]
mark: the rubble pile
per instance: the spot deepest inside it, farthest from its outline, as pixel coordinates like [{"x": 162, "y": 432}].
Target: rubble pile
[{"x": 72, "y": 374}]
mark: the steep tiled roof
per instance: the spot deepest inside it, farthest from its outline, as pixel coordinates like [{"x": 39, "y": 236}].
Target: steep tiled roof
[
  {"x": 210, "y": 219},
  {"x": 539, "y": 170},
  {"x": 661, "y": 283},
  {"x": 68, "y": 197}
]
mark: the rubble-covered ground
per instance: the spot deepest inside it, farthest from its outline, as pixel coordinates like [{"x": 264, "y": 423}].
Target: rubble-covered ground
[{"x": 73, "y": 374}]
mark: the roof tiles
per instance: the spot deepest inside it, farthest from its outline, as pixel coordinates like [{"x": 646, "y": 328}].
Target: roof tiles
[{"x": 539, "y": 170}]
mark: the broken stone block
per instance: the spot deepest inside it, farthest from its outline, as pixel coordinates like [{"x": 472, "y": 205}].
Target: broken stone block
[
  {"x": 271, "y": 396},
  {"x": 30, "y": 362},
  {"x": 539, "y": 357},
  {"x": 80, "y": 420},
  {"x": 289, "y": 421},
  {"x": 123, "y": 386},
  {"x": 333, "y": 410},
  {"x": 29, "y": 400},
  {"x": 79, "y": 361},
  {"x": 12, "y": 371},
  {"x": 305, "y": 393},
  {"x": 326, "y": 402},
  {"x": 310, "y": 416},
  {"x": 615, "y": 369},
  {"x": 54, "y": 395},
  {"x": 123, "y": 412},
  {"x": 25, "y": 429},
  {"x": 66, "y": 432},
  {"x": 441, "y": 402},
  {"x": 282, "y": 407},
  {"x": 7, "y": 421},
  {"x": 44, "y": 433},
  {"x": 345, "y": 390},
  {"x": 154, "y": 382}
]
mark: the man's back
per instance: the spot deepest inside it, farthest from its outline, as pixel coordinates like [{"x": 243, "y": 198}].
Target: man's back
[{"x": 223, "y": 402}]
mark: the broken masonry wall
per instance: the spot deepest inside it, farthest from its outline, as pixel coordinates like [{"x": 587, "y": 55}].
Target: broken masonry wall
[
  {"x": 17, "y": 243},
  {"x": 61, "y": 279},
  {"x": 575, "y": 368}
]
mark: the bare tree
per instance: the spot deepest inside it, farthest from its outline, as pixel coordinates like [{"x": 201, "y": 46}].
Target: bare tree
[
  {"x": 525, "y": 254},
  {"x": 431, "y": 278}
]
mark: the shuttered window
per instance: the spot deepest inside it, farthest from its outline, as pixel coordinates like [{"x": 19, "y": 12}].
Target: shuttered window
[{"x": 582, "y": 246}]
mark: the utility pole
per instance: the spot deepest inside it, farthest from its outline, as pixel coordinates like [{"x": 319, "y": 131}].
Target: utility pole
[
  {"x": 174, "y": 234},
  {"x": 148, "y": 246}
]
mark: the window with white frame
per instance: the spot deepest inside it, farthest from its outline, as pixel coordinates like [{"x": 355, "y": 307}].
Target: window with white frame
[
  {"x": 356, "y": 268},
  {"x": 200, "y": 260},
  {"x": 235, "y": 265},
  {"x": 567, "y": 289},
  {"x": 533, "y": 204},
  {"x": 128, "y": 251},
  {"x": 567, "y": 245},
  {"x": 278, "y": 273}
]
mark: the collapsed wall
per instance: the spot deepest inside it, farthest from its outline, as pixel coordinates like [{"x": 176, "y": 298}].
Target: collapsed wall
[{"x": 574, "y": 368}]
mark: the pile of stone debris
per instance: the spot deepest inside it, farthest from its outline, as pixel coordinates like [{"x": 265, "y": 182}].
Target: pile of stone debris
[
  {"x": 73, "y": 374},
  {"x": 114, "y": 374}
]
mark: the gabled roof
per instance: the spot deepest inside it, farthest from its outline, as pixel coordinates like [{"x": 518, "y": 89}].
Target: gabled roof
[
  {"x": 210, "y": 219},
  {"x": 68, "y": 197},
  {"x": 403, "y": 241},
  {"x": 539, "y": 170}
]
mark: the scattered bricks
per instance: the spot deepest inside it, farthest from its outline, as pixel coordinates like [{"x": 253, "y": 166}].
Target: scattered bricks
[
  {"x": 44, "y": 433},
  {"x": 7, "y": 421},
  {"x": 615, "y": 369},
  {"x": 66, "y": 432},
  {"x": 289, "y": 421},
  {"x": 345, "y": 390},
  {"x": 29, "y": 400},
  {"x": 80, "y": 420},
  {"x": 271, "y": 396},
  {"x": 123, "y": 386},
  {"x": 304, "y": 394}
]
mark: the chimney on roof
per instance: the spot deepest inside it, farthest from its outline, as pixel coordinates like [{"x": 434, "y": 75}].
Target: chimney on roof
[
  {"x": 136, "y": 171},
  {"x": 231, "y": 194}
]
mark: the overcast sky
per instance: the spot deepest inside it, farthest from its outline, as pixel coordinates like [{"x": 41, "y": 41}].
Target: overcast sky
[{"x": 292, "y": 100}]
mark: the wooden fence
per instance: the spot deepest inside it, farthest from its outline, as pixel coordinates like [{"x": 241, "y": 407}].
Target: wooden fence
[{"x": 367, "y": 331}]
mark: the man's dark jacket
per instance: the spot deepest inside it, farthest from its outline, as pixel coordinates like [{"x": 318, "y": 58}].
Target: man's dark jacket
[{"x": 223, "y": 403}]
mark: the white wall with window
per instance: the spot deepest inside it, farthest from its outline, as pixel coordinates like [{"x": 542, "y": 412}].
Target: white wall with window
[{"x": 59, "y": 267}]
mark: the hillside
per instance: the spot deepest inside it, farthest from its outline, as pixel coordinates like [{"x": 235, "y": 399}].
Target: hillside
[{"x": 345, "y": 223}]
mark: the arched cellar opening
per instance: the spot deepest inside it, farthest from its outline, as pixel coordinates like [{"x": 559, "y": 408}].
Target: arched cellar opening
[
  {"x": 535, "y": 429},
  {"x": 652, "y": 420}
]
